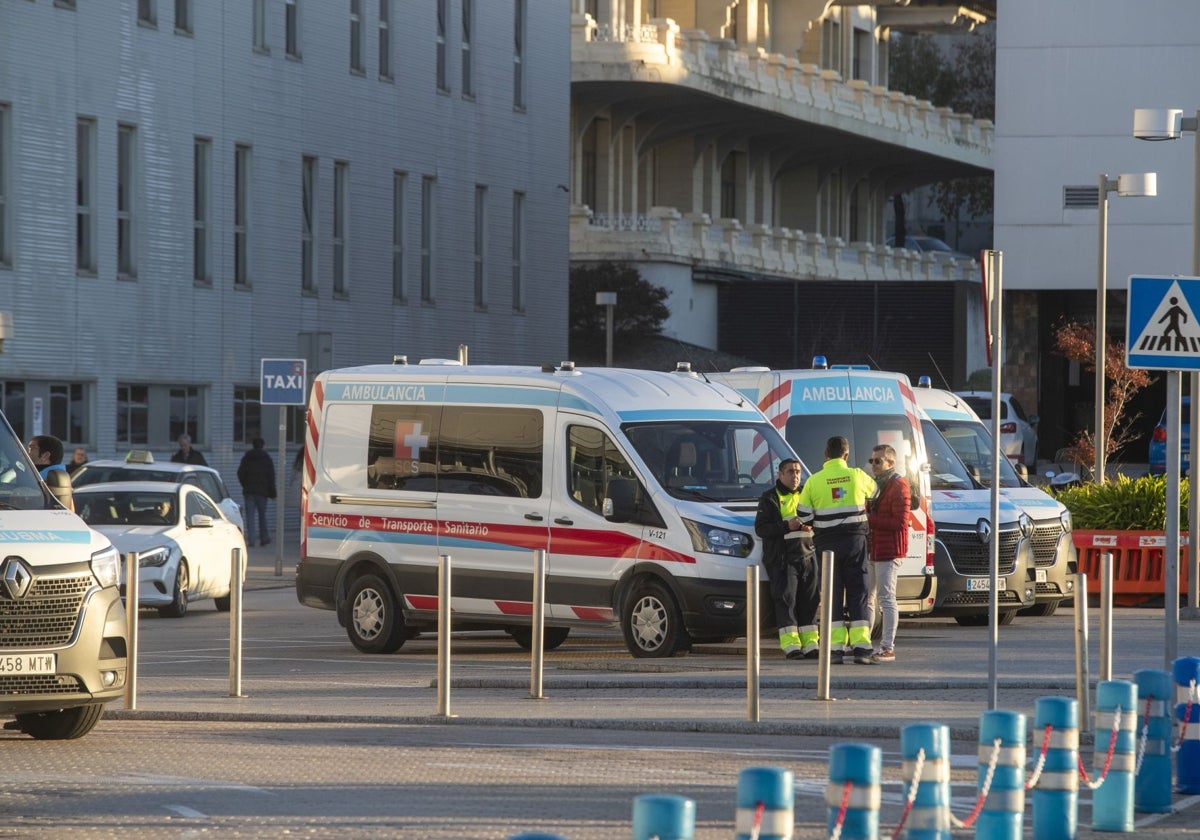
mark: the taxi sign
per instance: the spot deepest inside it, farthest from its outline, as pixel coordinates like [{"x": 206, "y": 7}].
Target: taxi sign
[
  {"x": 284, "y": 382},
  {"x": 1161, "y": 323}
]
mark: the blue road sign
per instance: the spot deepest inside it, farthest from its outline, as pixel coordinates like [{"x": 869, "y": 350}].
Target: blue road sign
[
  {"x": 283, "y": 382},
  {"x": 1161, "y": 328}
]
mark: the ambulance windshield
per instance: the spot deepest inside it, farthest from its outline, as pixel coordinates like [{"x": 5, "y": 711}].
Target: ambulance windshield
[
  {"x": 808, "y": 433},
  {"x": 711, "y": 460},
  {"x": 974, "y": 445},
  {"x": 946, "y": 469}
]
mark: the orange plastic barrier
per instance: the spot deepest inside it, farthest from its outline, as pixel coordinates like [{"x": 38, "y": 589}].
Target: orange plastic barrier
[{"x": 1137, "y": 563}]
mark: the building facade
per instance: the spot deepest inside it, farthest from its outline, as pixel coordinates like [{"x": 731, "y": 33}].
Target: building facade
[{"x": 189, "y": 187}]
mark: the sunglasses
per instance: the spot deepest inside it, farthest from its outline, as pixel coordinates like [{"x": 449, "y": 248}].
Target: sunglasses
[{"x": 877, "y": 461}]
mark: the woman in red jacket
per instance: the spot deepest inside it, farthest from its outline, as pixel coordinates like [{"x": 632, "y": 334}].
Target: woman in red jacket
[{"x": 887, "y": 515}]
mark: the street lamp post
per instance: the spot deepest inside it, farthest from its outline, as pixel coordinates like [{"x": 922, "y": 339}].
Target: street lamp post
[
  {"x": 1170, "y": 124},
  {"x": 1143, "y": 184}
]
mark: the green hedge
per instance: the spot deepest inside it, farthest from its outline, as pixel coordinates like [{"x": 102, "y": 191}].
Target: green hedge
[{"x": 1124, "y": 504}]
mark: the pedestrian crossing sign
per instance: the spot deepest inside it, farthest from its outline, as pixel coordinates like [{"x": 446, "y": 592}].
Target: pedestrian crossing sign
[{"x": 1161, "y": 325}]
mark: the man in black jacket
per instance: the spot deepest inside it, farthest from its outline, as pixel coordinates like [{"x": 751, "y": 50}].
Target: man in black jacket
[
  {"x": 257, "y": 475},
  {"x": 791, "y": 565}
]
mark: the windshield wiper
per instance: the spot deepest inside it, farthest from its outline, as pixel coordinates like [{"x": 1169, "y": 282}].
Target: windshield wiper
[{"x": 695, "y": 494}]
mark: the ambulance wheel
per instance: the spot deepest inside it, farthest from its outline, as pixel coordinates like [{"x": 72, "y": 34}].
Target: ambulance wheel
[
  {"x": 1006, "y": 618},
  {"x": 652, "y": 623},
  {"x": 1042, "y": 610},
  {"x": 61, "y": 725},
  {"x": 552, "y": 637},
  {"x": 374, "y": 622}
]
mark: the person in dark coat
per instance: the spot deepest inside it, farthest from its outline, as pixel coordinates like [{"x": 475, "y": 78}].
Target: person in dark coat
[
  {"x": 186, "y": 454},
  {"x": 256, "y": 472},
  {"x": 791, "y": 567}
]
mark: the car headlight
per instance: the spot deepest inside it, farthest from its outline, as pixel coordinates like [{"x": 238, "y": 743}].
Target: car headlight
[
  {"x": 713, "y": 540},
  {"x": 106, "y": 566},
  {"x": 155, "y": 556},
  {"x": 1026, "y": 524},
  {"x": 1065, "y": 519}
]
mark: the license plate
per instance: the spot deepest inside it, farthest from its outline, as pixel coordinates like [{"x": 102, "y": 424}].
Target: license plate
[
  {"x": 1039, "y": 575},
  {"x": 29, "y": 663},
  {"x": 984, "y": 584}
]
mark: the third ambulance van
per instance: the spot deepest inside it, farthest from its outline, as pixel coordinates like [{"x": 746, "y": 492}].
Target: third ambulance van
[{"x": 640, "y": 486}]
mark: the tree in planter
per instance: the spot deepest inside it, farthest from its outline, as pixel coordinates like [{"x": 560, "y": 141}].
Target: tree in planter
[
  {"x": 639, "y": 314},
  {"x": 1078, "y": 343}
]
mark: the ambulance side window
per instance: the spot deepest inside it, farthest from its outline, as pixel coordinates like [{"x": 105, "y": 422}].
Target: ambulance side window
[
  {"x": 402, "y": 447},
  {"x": 490, "y": 451},
  {"x": 594, "y": 463}
]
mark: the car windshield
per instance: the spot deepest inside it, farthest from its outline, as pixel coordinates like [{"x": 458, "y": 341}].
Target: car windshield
[
  {"x": 946, "y": 469},
  {"x": 96, "y": 474},
  {"x": 121, "y": 507},
  {"x": 710, "y": 460},
  {"x": 974, "y": 446}
]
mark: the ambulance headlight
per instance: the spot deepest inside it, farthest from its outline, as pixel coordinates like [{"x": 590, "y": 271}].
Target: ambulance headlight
[
  {"x": 710, "y": 539},
  {"x": 106, "y": 566},
  {"x": 1065, "y": 519}
]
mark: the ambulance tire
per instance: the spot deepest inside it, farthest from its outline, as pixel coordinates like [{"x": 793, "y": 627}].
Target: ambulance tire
[
  {"x": 374, "y": 622},
  {"x": 552, "y": 637},
  {"x": 1043, "y": 610},
  {"x": 652, "y": 622},
  {"x": 61, "y": 725}
]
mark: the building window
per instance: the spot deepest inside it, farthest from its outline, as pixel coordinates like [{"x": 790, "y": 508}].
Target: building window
[
  {"x": 356, "y": 36},
  {"x": 385, "y": 39},
  {"x": 260, "y": 25},
  {"x": 341, "y": 212},
  {"x": 443, "y": 16},
  {"x": 480, "y": 246},
  {"x": 183, "y": 16},
  {"x": 126, "y": 200},
  {"x": 308, "y": 231},
  {"x": 518, "y": 250},
  {"x": 428, "y": 209},
  {"x": 66, "y": 411},
  {"x": 468, "y": 21},
  {"x": 147, "y": 13},
  {"x": 241, "y": 215},
  {"x": 5, "y": 210},
  {"x": 518, "y": 53},
  {"x": 291, "y": 27},
  {"x": 184, "y": 412},
  {"x": 247, "y": 414},
  {"x": 201, "y": 172},
  {"x": 133, "y": 414},
  {"x": 85, "y": 195},
  {"x": 399, "y": 182}
]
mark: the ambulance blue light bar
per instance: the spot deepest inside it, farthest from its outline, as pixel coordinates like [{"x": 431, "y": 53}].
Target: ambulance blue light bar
[{"x": 924, "y": 381}]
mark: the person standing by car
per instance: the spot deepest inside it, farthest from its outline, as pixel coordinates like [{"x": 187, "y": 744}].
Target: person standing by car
[
  {"x": 887, "y": 515},
  {"x": 186, "y": 454},
  {"x": 834, "y": 501},
  {"x": 257, "y": 475},
  {"x": 791, "y": 569},
  {"x": 47, "y": 453}
]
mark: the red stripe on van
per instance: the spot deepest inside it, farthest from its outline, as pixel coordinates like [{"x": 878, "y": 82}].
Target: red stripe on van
[
  {"x": 515, "y": 607},
  {"x": 611, "y": 544},
  {"x": 592, "y": 613},
  {"x": 422, "y": 602}
]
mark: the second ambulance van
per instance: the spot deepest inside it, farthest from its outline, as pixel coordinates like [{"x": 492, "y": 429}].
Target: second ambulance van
[{"x": 640, "y": 486}]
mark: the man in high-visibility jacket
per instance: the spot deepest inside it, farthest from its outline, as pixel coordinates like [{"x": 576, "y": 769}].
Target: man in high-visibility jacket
[{"x": 834, "y": 501}]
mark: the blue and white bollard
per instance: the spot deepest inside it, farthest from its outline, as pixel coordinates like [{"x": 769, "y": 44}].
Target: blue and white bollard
[
  {"x": 1186, "y": 670},
  {"x": 929, "y": 818},
  {"x": 773, "y": 789},
  {"x": 663, "y": 816},
  {"x": 1152, "y": 787},
  {"x": 1112, "y": 801},
  {"x": 1003, "y": 814},
  {"x": 860, "y": 765},
  {"x": 1056, "y": 791}
]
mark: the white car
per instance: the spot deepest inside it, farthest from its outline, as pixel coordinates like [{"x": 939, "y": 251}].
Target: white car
[
  {"x": 185, "y": 544},
  {"x": 1018, "y": 431},
  {"x": 139, "y": 465}
]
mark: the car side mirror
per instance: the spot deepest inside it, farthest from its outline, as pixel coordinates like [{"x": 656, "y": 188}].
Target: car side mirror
[
  {"x": 200, "y": 520},
  {"x": 1033, "y": 419},
  {"x": 1022, "y": 471},
  {"x": 59, "y": 482}
]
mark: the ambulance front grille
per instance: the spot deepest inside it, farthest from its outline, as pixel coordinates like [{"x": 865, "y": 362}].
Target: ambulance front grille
[
  {"x": 970, "y": 556},
  {"x": 1045, "y": 543},
  {"x": 30, "y": 684},
  {"x": 48, "y": 613}
]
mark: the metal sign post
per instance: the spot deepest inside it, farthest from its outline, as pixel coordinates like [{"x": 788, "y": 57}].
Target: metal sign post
[
  {"x": 992, "y": 268},
  {"x": 284, "y": 382}
]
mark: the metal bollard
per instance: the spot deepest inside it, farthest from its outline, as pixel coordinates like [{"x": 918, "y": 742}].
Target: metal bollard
[
  {"x": 235, "y": 623},
  {"x": 537, "y": 657},
  {"x": 852, "y": 796},
  {"x": 1112, "y": 801},
  {"x": 825, "y": 625},
  {"x": 132, "y": 594},
  {"x": 1186, "y": 670},
  {"x": 1003, "y": 814},
  {"x": 1152, "y": 787},
  {"x": 753, "y": 648},
  {"x": 1082, "y": 674},
  {"x": 1056, "y": 791},
  {"x": 443, "y": 629},
  {"x": 926, "y": 751},
  {"x": 765, "y": 804},
  {"x": 663, "y": 816}
]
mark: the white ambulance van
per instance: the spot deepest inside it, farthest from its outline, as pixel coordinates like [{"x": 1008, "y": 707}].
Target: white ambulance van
[
  {"x": 1054, "y": 554},
  {"x": 868, "y": 408},
  {"x": 63, "y": 643},
  {"x": 640, "y": 486}
]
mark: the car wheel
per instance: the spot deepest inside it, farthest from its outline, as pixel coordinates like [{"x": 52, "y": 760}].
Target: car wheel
[
  {"x": 1006, "y": 618},
  {"x": 972, "y": 620},
  {"x": 552, "y": 637},
  {"x": 223, "y": 602},
  {"x": 1042, "y": 610},
  {"x": 61, "y": 725},
  {"x": 179, "y": 597},
  {"x": 652, "y": 623},
  {"x": 374, "y": 622}
]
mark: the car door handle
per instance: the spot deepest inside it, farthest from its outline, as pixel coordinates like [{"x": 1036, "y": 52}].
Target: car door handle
[
  {"x": 562, "y": 520},
  {"x": 534, "y": 517}
]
